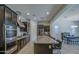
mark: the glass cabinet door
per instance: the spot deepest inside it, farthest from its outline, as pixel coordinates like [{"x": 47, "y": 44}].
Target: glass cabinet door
[{"x": 10, "y": 29}]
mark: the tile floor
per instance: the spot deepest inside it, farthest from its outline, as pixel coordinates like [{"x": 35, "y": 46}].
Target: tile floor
[
  {"x": 69, "y": 49},
  {"x": 28, "y": 49},
  {"x": 66, "y": 49}
]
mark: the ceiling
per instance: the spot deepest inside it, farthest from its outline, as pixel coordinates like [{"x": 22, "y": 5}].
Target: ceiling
[
  {"x": 39, "y": 12},
  {"x": 70, "y": 13}
]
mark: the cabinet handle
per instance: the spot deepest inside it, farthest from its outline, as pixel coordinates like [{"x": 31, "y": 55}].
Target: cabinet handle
[{"x": 50, "y": 46}]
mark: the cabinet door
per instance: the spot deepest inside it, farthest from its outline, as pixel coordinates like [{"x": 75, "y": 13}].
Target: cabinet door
[
  {"x": 43, "y": 48},
  {"x": 10, "y": 29},
  {"x": 14, "y": 22},
  {"x": 8, "y": 16},
  {"x": 14, "y": 18},
  {"x": 2, "y": 41}
]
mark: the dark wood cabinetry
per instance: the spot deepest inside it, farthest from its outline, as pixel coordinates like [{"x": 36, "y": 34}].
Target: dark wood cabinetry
[
  {"x": 2, "y": 41},
  {"x": 21, "y": 42},
  {"x": 8, "y": 29},
  {"x": 42, "y": 48},
  {"x": 43, "y": 29},
  {"x": 25, "y": 37}
]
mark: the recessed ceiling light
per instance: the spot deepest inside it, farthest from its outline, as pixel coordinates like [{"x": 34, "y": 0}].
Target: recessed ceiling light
[
  {"x": 47, "y": 13},
  {"x": 28, "y": 13}
]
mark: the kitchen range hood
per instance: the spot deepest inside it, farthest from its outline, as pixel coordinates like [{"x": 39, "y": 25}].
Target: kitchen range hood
[{"x": 20, "y": 24}]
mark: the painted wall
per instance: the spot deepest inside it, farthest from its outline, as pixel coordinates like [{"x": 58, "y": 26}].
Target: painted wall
[
  {"x": 64, "y": 21},
  {"x": 33, "y": 30}
]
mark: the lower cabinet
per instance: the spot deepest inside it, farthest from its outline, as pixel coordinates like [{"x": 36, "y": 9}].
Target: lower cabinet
[
  {"x": 42, "y": 48},
  {"x": 21, "y": 43}
]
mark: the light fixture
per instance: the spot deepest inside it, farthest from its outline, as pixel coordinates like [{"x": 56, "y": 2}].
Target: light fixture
[
  {"x": 28, "y": 13},
  {"x": 74, "y": 26},
  {"x": 56, "y": 27},
  {"x": 47, "y": 13}
]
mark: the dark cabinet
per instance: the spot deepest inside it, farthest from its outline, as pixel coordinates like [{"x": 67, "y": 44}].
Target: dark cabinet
[
  {"x": 42, "y": 48},
  {"x": 2, "y": 41},
  {"x": 43, "y": 29},
  {"x": 22, "y": 42},
  {"x": 8, "y": 29}
]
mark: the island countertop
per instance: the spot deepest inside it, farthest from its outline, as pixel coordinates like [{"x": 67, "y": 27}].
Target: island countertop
[{"x": 44, "y": 40}]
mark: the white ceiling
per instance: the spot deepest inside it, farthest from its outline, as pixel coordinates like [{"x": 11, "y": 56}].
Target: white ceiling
[
  {"x": 37, "y": 11},
  {"x": 71, "y": 13}
]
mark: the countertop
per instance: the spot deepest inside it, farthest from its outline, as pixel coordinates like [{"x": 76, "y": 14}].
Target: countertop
[
  {"x": 20, "y": 37},
  {"x": 45, "y": 40}
]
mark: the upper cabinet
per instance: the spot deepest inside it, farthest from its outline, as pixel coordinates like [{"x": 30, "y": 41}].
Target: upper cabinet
[
  {"x": 8, "y": 29},
  {"x": 8, "y": 16},
  {"x": 2, "y": 45},
  {"x": 14, "y": 18}
]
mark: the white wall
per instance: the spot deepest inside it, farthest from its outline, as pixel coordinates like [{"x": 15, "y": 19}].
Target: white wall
[
  {"x": 64, "y": 20},
  {"x": 33, "y": 30}
]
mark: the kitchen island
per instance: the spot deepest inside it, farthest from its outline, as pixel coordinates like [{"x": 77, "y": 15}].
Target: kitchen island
[{"x": 43, "y": 45}]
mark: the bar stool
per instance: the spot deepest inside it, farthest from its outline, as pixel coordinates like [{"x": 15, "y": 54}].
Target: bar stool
[{"x": 57, "y": 48}]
